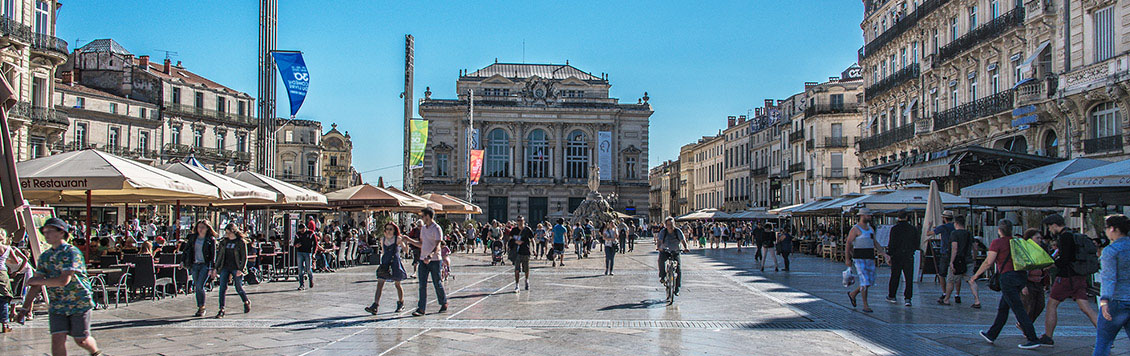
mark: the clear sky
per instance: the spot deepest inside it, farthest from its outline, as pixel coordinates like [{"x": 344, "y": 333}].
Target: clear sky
[{"x": 698, "y": 61}]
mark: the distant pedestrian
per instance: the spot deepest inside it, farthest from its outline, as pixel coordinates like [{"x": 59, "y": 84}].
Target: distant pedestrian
[
  {"x": 784, "y": 247},
  {"x": 610, "y": 249},
  {"x": 1011, "y": 282},
  {"x": 392, "y": 265},
  {"x": 559, "y": 232},
  {"x": 767, "y": 243},
  {"x": 522, "y": 238},
  {"x": 304, "y": 247}
]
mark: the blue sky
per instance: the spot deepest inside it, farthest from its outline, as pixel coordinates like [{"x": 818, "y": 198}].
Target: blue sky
[{"x": 698, "y": 61}]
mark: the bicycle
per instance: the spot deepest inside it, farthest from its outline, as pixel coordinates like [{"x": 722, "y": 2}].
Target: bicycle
[{"x": 672, "y": 269}]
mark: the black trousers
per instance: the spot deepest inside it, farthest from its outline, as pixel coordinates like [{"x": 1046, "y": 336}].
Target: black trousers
[{"x": 901, "y": 265}]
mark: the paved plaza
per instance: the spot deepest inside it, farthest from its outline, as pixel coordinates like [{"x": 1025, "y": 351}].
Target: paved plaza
[{"x": 726, "y": 308}]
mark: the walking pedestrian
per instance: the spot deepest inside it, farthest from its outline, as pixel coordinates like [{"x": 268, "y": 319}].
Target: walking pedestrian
[
  {"x": 1034, "y": 291},
  {"x": 199, "y": 251},
  {"x": 559, "y": 242},
  {"x": 902, "y": 246},
  {"x": 622, "y": 234},
  {"x": 959, "y": 258},
  {"x": 860, "y": 251},
  {"x": 941, "y": 263},
  {"x": 430, "y": 236},
  {"x": 610, "y": 249},
  {"x": 63, "y": 271},
  {"x": 521, "y": 238},
  {"x": 1074, "y": 263},
  {"x": 232, "y": 260},
  {"x": 1011, "y": 282},
  {"x": 1114, "y": 293},
  {"x": 539, "y": 236},
  {"x": 768, "y": 240},
  {"x": 391, "y": 268},
  {"x": 784, "y": 247},
  {"x": 304, "y": 247},
  {"x": 578, "y": 240},
  {"x": 758, "y": 236},
  {"x": 9, "y": 256},
  {"x": 633, "y": 235}
]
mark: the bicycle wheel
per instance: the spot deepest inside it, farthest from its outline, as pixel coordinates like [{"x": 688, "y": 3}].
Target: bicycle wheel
[{"x": 670, "y": 282}]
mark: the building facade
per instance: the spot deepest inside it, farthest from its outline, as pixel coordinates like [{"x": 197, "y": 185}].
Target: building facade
[
  {"x": 540, "y": 126},
  {"x": 29, "y": 60},
  {"x": 735, "y": 174},
  {"x": 300, "y": 154},
  {"x": 337, "y": 160},
  {"x": 107, "y": 122},
  {"x": 708, "y": 167},
  {"x": 664, "y": 190},
  {"x": 830, "y": 125}
]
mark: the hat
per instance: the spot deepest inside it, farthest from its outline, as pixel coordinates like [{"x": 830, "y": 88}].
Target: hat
[
  {"x": 56, "y": 223},
  {"x": 947, "y": 214},
  {"x": 864, "y": 211}
]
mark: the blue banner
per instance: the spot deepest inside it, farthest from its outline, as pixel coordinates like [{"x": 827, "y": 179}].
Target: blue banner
[{"x": 294, "y": 76}]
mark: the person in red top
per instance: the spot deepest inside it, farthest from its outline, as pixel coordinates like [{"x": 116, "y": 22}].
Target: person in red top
[{"x": 1011, "y": 282}]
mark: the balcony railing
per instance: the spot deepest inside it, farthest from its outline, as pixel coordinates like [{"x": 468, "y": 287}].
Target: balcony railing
[
  {"x": 905, "y": 23},
  {"x": 796, "y": 135},
  {"x": 989, "y": 105},
  {"x": 203, "y": 113},
  {"x": 761, "y": 171},
  {"x": 821, "y": 109},
  {"x": 836, "y": 173},
  {"x": 988, "y": 31},
  {"x": 1103, "y": 144},
  {"x": 906, "y": 73},
  {"x": 15, "y": 29},
  {"x": 214, "y": 154},
  {"x": 899, "y": 134},
  {"x": 809, "y": 144},
  {"x": 42, "y": 42},
  {"x": 1037, "y": 90},
  {"x": 796, "y": 167},
  {"x": 302, "y": 178},
  {"x": 40, "y": 115}
]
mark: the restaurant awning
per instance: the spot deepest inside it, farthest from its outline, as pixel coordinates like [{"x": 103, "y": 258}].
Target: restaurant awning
[
  {"x": 416, "y": 198},
  {"x": 66, "y": 177},
  {"x": 287, "y": 194},
  {"x": 1031, "y": 187},
  {"x": 1106, "y": 184},
  {"x": 453, "y": 205},
  {"x": 909, "y": 196},
  {"x": 970, "y": 164},
  {"x": 232, "y": 191},
  {"x": 785, "y": 209},
  {"x": 705, "y": 214}
]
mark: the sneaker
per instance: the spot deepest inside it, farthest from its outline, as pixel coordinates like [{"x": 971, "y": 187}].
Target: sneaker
[
  {"x": 985, "y": 336},
  {"x": 1028, "y": 345},
  {"x": 372, "y": 309},
  {"x": 1047, "y": 341},
  {"x": 418, "y": 312},
  {"x": 957, "y": 299},
  {"x": 892, "y": 300},
  {"x": 516, "y": 289},
  {"x": 527, "y": 285},
  {"x": 907, "y": 302}
]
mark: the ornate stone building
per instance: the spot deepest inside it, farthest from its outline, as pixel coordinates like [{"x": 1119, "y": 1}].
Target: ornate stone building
[
  {"x": 107, "y": 122},
  {"x": 300, "y": 154},
  {"x": 829, "y": 125},
  {"x": 337, "y": 160},
  {"x": 664, "y": 191},
  {"x": 707, "y": 168},
  {"x": 29, "y": 58},
  {"x": 736, "y": 196},
  {"x": 539, "y": 126}
]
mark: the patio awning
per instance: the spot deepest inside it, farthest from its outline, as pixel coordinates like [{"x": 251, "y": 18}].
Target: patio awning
[
  {"x": 453, "y": 205},
  {"x": 66, "y": 177},
  {"x": 1106, "y": 184},
  {"x": 286, "y": 194},
  {"x": 1031, "y": 187},
  {"x": 909, "y": 196},
  {"x": 231, "y": 190}
]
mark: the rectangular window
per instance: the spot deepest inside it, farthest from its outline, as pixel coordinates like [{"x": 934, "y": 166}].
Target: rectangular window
[
  {"x": 112, "y": 140},
  {"x": 994, "y": 8},
  {"x": 199, "y": 100},
  {"x": 312, "y": 168},
  {"x": 241, "y": 143},
  {"x": 80, "y": 135},
  {"x": 837, "y": 189},
  {"x": 914, "y": 52},
  {"x": 973, "y": 89},
  {"x": 143, "y": 142},
  {"x": 953, "y": 97},
  {"x": 174, "y": 135},
  {"x": 242, "y": 108},
  {"x": 837, "y": 101},
  {"x": 37, "y": 145},
  {"x": 38, "y": 86},
  {"x": 176, "y": 95},
  {"x": 221, "y": 104},
  {"x": 630, "y": 167},
  {"x": 441, "y": 164},
  {"x": 1104, "y": 34},
  {"x": 995, "y": 81},
  {"x": 113, "y": 108},
  {"x": 902, "y": 57},
  {"x": 220, "y": 144},
  {"x": 80, "y": 102},
  {"x": 198, "y": 137},
  {"x": 972, "y": 17},
  {"x": 333, "y": 182},
  {"x": 42, "y": 17},
  {"x": 1017, "y": 71},
  {"x": 953, "y": 29},
  {"x": 498, "y": 208},
  {"x": 9, "y": 9}
]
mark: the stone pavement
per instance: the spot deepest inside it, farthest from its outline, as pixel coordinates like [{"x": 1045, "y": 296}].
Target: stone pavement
[{"x": 726, "y": 308}]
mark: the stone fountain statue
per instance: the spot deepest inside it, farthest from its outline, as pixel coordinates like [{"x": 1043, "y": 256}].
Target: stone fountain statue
[{"x": 594, "y": 207}]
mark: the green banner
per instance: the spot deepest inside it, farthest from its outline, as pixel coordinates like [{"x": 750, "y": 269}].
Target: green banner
[{"x": 419, "y": 136}]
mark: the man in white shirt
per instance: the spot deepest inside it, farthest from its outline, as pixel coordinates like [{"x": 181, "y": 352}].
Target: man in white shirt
[{"x": 430, "y": 236}]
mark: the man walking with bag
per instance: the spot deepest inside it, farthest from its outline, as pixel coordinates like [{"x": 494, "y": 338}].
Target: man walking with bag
[{"x": 904, "y": 242}]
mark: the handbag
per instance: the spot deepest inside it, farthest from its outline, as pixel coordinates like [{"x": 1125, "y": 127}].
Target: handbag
[
  {"x": 1027, "y": 255},
  {"x": 384, "y": 271},
  {"x": 995, "y": 282}
]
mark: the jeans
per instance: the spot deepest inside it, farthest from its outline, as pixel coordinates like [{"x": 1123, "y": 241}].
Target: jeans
[
  {"x": 671, "y": 255},
  {"x": 577, "y": 246},
  {"x": 1107, "y": 330},
  {"x": 609, "y": 258},
  {"x": 623, "y": 244},
  {"x": 785, "y": 256},
  {"x": 431, "y": 268},
  {"x": 1011, "y": 284},
  {"x": 225, "y": 275},
  {"x": 304, "y": 268},
  {"x": 199, "y": 273},
  {"x": 901, "y": 265},
  {"x": 4, "y": 308}
]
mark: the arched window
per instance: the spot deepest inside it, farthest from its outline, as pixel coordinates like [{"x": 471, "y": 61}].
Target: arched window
[
  {"x": 498, "y": 154},
  {"x": 1105, "y": 120},
  {"x": 1051, "y": 144},
  {"x": 577, "y": 155},
  {"x": 537, "y": 154}
]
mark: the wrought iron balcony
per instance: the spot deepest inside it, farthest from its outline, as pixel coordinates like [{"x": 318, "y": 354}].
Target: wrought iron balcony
[
  {"x": 15, "y": 30},
  {"x": 989, "y": 105},
  {"x": 821, "y": 109},
  {"x": 206, "y": 153},
  {"x": 986, "y": 32},
  {"x": 1036, "y": 90},
  {"x": 906, "y": 73},
  {"x": 1103, "y": 144},
  {"x": 303, "y": 179},
  {"x": 840, "y": 173},
  {"x": 47, "y": 43},
  {"x": 39, "y": 115},
  {"x": 202, "y": 113},
  {"x": 837, "y": 142},
  {"x": 899, "y": 134},
  {"x": 760, "y": 171},
  {"x": 901, "y": 26},
  {"x": 796, "y": 135},
  {"x": 796, "y": 167}
]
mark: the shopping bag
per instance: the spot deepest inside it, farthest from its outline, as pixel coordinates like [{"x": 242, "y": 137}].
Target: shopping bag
[
  {"x": 849, "y": 278},
  {"x": 1027, "y": 255}
]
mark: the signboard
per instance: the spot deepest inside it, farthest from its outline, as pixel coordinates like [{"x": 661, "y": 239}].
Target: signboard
[
  {"x": 604, "y": 154},
  {"x": 419, "y": 141},
  {"x": 1023, "y": 110},
  {"x": 66, "y": 183},
  {"x": 476, "y": 166},
  {"x": 1025, "y": 121},
  {"x": 34, "y": 217}
]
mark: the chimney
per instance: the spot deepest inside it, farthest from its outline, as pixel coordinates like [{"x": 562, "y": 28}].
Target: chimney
[
  {"x": 833, "y": 79},
  {"x": 143, "y": 62},
  {"x": 768, "y": 103},
  {"x": 179, "y": 66},
  {"x": 741, "y": 119},
  {"x": 167, "y": 70},
  {"x": 809, "y": 85},
  {"x": 68, "y": 78},
  {"x": 730, "y": 121}
]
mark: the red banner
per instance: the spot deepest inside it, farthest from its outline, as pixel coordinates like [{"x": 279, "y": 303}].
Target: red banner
[{"x": 476, "y": 166}]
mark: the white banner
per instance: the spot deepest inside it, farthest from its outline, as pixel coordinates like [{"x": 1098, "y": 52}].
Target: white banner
[{"x": 604, "y": 154}]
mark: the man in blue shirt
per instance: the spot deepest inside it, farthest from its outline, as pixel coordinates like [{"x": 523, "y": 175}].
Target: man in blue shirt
[
  {"x": 559, "y": 242},
  {"x": 941, "y": 260}
]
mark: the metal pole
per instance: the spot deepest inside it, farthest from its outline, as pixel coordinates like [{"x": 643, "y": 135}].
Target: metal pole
[
  {"x": 89, "y": 218},
  {"x": 407, "y": 95},
  {"x": 470, "y": 142}
]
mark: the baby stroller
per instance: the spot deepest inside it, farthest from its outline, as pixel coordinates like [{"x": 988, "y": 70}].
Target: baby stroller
[{"x": 496, "y": 252}]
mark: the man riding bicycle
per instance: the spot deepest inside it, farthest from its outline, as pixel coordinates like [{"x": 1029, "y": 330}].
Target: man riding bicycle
[{"x": 667, "y": 243}]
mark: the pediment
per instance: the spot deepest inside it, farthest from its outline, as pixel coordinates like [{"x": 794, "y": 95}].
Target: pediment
[
  {"x": 573, "y": 81},
  {"x": 497, "y": 79}
]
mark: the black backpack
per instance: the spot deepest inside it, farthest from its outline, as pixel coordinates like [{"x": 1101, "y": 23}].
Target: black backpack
[{"x": 1086, "y": 255}]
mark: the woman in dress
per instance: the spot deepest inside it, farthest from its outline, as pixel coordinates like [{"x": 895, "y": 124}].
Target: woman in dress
[{"x": 391, "y": 244}]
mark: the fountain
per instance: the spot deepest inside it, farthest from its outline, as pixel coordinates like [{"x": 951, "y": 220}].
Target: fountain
[{"x": 595, "y": 207}]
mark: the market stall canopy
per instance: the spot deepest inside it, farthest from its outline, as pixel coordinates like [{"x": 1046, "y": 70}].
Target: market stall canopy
[
  {"x": 453, "y": 205},
  {"x": 705, "y": 214},
  {"x": 231, "y": 190},
  {"x": 909, "y": 196},
  {"x": 287, "y": 194},
  {"x": 67, "y": 176},
  {"x": 1106, "y": 184},
  {"x": 1032, "y": 187},
  {"x": 417, "y": 199}
]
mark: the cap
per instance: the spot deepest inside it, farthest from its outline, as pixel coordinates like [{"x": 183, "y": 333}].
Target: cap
[
  {"x": 864, "y": 211},
  {"x": 56, "y": 223},
  {"x": 947, "y": 214}
]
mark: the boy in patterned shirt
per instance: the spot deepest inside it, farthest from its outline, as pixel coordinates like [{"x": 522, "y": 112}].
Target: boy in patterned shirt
[{"x": 63, "y": 271}]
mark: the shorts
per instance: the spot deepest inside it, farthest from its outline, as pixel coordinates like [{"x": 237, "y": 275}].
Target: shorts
[
  {"x": 522, "y": 263},
  {"x": 955, "y": 278},
  {"x": 865, "y": 268},
  {"x": 1074, "y": 287},
  {"x": 559, "y": 247},
  {"x": 75, "y": 325}
]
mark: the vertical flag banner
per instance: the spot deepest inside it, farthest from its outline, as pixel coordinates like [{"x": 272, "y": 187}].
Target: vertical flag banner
[
  {"x": 419, "y": 140},
  {"x": 294, "y": 75},
  {"x": 476, "y": 166},
  {"x": 604, "y": 156}
]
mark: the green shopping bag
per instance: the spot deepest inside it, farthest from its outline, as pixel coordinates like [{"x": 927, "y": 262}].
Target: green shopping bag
[{"x": 1027, "y": 255}]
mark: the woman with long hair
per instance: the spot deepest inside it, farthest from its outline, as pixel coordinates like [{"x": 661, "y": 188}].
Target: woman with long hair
[
  {"x": 391, "y": 244},
  {"x": 1011, "y": 282},
  {"x": 232, "y": 261},
  {"x": 199, "y": 252},
  {"x": 610, "y": 249}
]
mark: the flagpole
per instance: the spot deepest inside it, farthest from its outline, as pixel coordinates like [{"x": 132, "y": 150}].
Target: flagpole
[{"x": 470, "y": 141}]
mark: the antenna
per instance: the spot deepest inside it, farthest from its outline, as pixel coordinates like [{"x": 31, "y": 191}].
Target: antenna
[
  {"x": 168, "y": 54},
  {"x": 523, "y": 51}
]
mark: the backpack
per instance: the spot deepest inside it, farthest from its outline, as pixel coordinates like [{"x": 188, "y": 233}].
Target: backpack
[{"x": 1086, "y": 255}]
